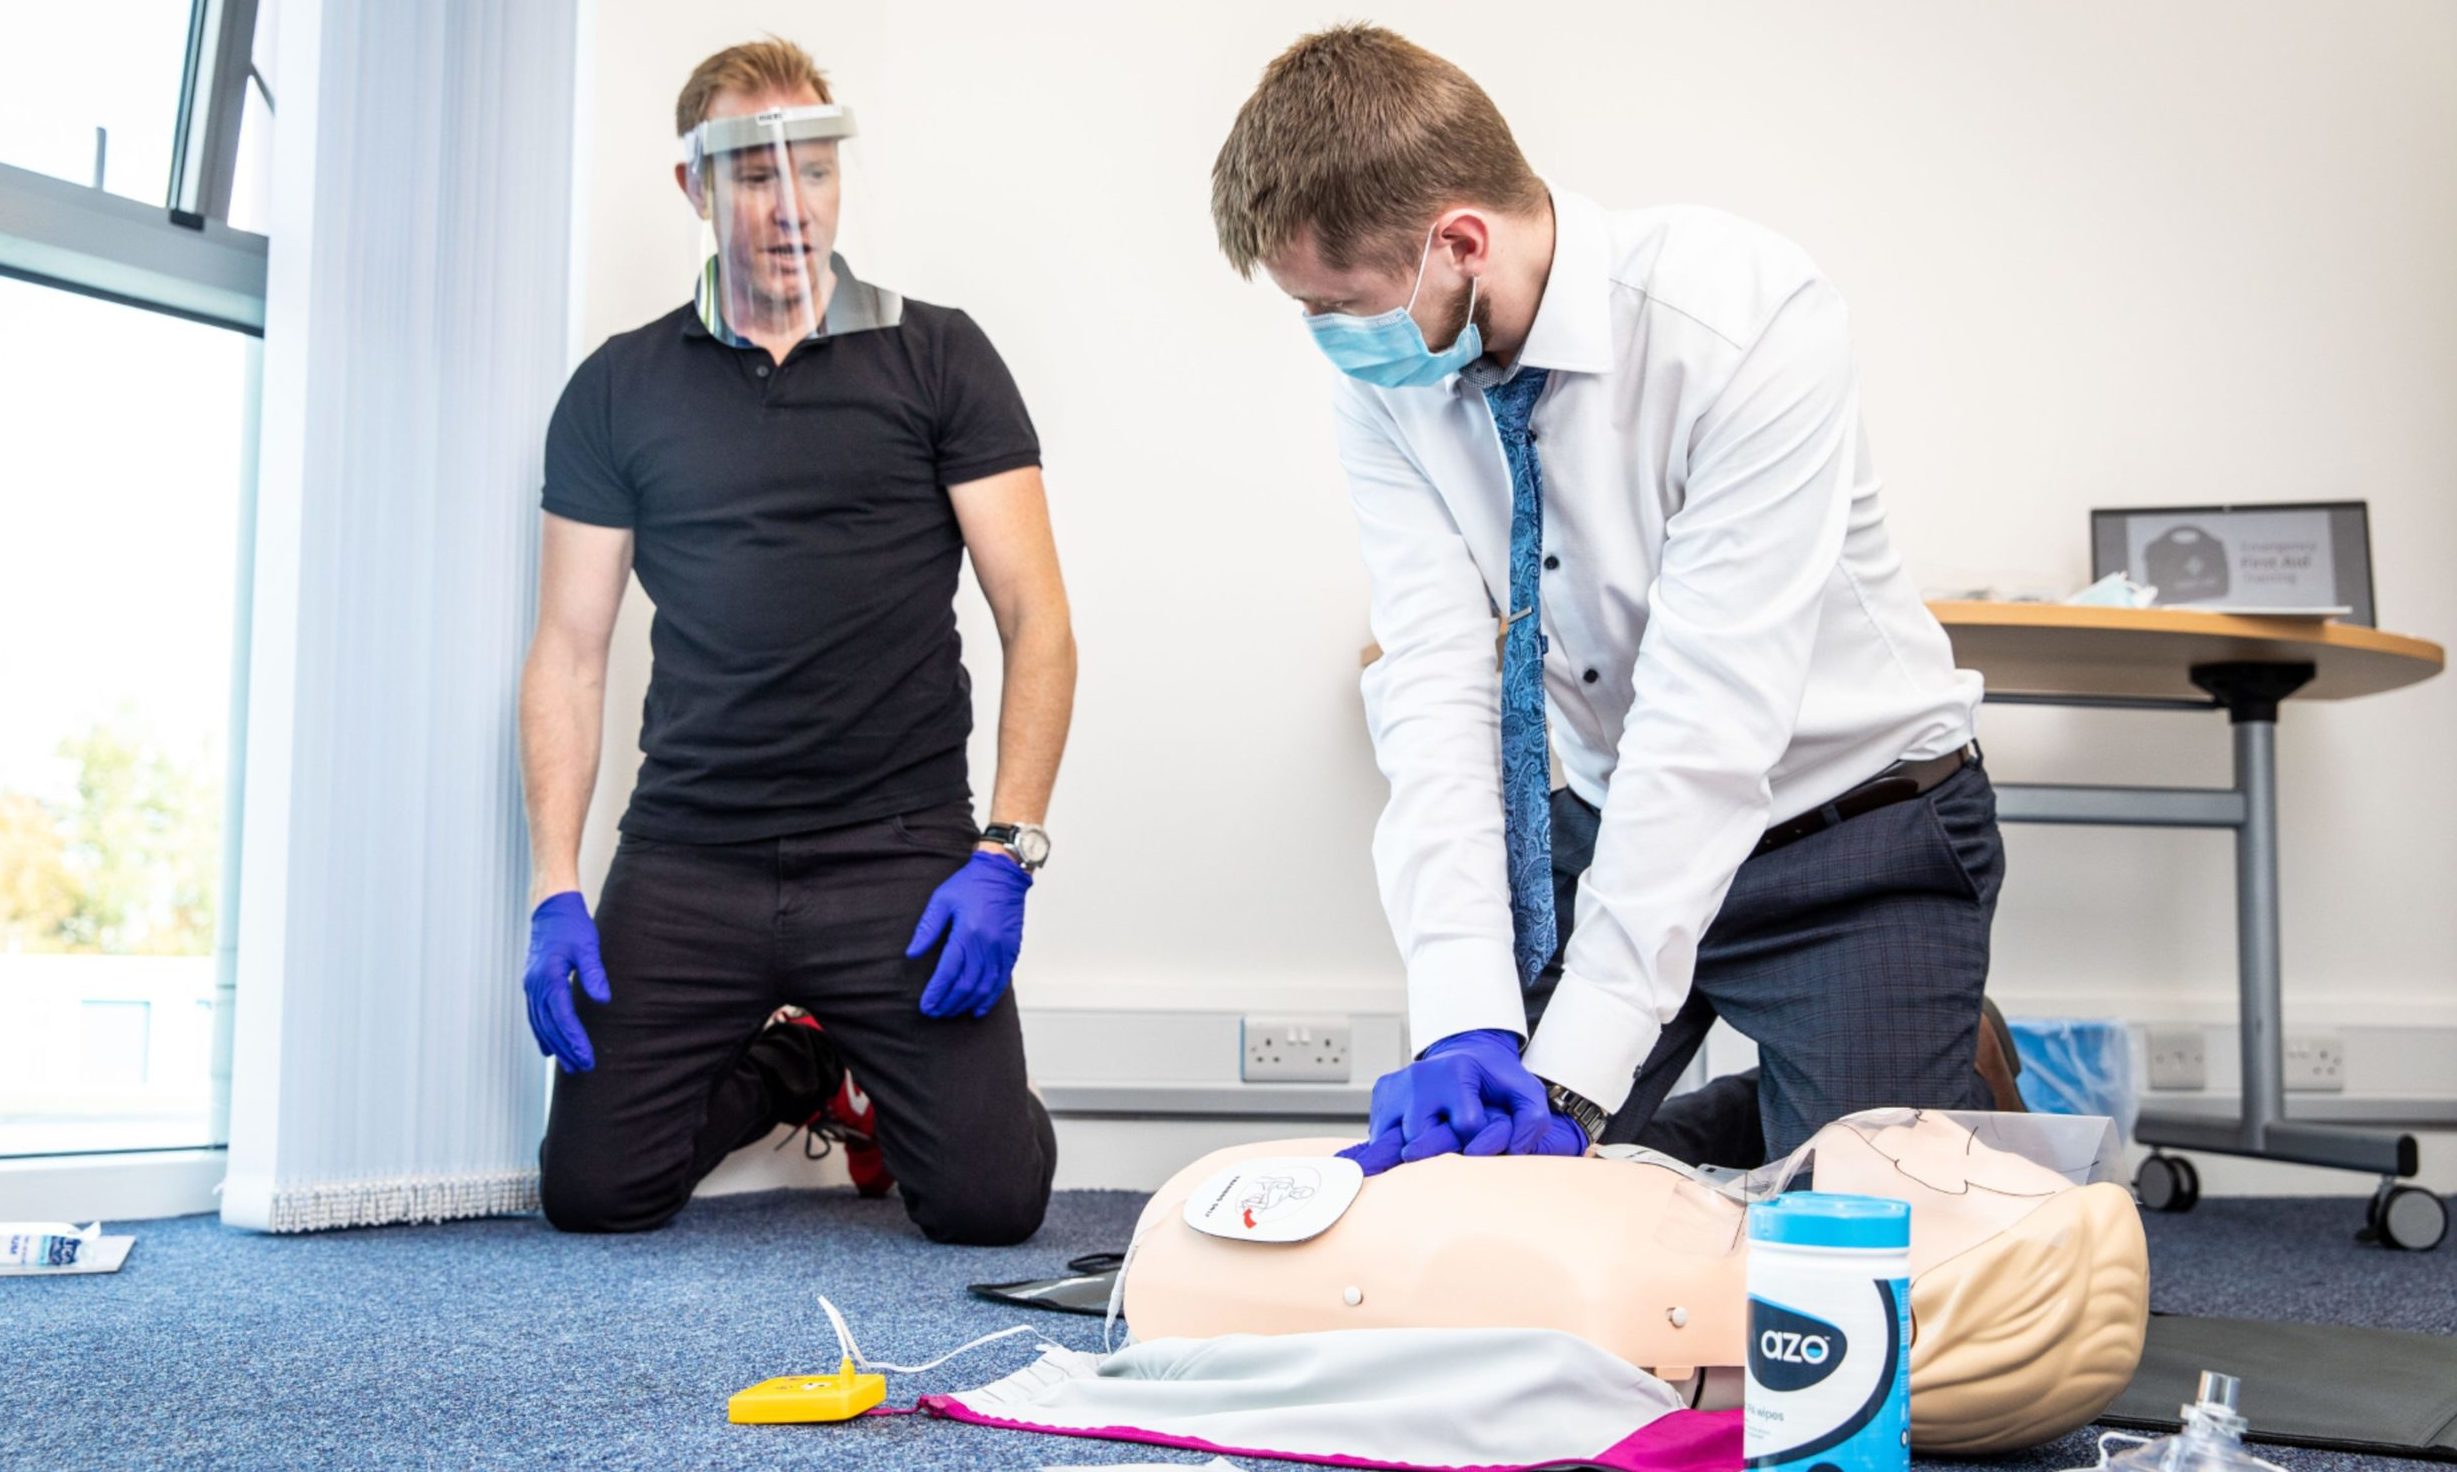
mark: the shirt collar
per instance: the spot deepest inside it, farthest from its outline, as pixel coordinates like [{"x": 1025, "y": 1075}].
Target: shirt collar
[
  {"x": 1573, "y": 328},
  {"x": 854, "y": 305},
  {"x": 707, "y": 317}
]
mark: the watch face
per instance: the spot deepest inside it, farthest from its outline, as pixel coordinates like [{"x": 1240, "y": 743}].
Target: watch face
[{"x": 1032, "y": 845}]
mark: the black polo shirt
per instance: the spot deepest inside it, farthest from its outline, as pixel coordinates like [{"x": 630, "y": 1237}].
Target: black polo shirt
[{"x": 792, "y": 525}]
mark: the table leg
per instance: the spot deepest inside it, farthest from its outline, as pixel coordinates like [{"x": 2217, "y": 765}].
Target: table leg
[
  {"x": 2263, "y": 1003},
  {"x": 2251, "y": 693}
]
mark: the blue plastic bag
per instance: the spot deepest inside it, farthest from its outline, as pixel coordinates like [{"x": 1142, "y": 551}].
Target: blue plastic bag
[{"x": 2074, "y": 1065}]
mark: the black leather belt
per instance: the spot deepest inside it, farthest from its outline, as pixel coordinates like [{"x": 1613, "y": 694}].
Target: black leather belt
[{"x": 1898, "y": 783}]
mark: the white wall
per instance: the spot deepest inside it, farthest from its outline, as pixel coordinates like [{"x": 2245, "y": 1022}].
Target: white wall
[{"x": 2098, "y": 254}]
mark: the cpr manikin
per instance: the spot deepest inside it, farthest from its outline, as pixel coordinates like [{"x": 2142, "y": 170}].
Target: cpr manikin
[{"x": 2029, "y": 1272}]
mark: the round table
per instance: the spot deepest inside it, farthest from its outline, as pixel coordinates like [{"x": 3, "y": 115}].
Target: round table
[
  {"x": 2245, "y": 665},
  {"x": 2060, "y": 651}
]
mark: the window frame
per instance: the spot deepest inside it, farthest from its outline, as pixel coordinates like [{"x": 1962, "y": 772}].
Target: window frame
[
  {"x": 183, "y": 259},
  {"x": 212, "y": 100}
]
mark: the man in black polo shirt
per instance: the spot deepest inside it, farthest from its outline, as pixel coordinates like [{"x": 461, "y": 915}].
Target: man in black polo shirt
[{"x": 795, "y": 464}]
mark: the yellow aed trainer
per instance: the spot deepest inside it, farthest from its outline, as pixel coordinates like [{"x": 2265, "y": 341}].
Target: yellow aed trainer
[{"x": 794, "y": 1398}]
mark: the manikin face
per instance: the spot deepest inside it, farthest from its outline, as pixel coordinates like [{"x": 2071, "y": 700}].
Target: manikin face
[{"x": 774, "y": 211}]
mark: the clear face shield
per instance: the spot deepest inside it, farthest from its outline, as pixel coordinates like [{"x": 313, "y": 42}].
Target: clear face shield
[
  {"x": 770, "y": 189},
  {"x": 1988, "y": 1170}
]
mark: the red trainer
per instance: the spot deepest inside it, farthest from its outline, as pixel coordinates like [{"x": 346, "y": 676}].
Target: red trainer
[
  {"x": 857, "y": 1124},
  {"x": 848, "y": 1116}
]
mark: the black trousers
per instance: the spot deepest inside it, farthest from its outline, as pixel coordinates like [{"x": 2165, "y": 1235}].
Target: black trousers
[
  {"x": 702, "y": 942},
  {"x": 1854, "y": 958}
]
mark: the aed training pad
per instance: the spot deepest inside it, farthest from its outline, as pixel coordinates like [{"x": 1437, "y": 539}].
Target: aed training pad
[{"x": 2326, "y": 1386}]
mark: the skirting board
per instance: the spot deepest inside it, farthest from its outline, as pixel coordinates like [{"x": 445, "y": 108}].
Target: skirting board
[
  {"x": 1068, "y": 1047},
  {"x": 1345, "y": 1102},
  {"x": 1107, "y": 1154},
  {"x": 135, "y": 1186}
]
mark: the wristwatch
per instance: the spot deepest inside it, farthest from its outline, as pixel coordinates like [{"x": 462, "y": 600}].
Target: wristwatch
[
  {"x": 1583, "y": 1112},
  {"x": 1029, "y": 842}
]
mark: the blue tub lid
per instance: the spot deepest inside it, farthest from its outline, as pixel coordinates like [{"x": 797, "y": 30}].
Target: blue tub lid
[{"x": 1832, "y": 1219}]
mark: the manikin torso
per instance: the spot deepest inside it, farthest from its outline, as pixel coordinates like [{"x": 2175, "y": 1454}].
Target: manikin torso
[{"x": 2029, "y": 1293}]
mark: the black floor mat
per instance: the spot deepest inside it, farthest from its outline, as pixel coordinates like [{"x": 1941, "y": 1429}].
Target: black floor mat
[
  {"x": 1085, "y": 1290},
  {"x": 2314, "y": 1385}
]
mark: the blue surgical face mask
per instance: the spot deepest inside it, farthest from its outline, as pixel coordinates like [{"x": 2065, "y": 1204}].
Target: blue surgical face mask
[{"x": 1389, "y": 350}]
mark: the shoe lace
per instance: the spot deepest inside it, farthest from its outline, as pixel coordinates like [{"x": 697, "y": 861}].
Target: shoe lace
[
  {"x": 821, "y": 1136},
  {"x": 819, "y": 1141}
]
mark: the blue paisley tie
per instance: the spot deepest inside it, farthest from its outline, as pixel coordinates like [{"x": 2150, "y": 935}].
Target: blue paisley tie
[{"x": 1527, "y": 815}]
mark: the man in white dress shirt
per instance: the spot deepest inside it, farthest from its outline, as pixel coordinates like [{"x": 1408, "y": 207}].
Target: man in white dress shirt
[{"x": 1615, "y": 498}]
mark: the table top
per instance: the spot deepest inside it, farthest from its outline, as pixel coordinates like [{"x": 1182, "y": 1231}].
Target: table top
[{"x": 2064, "y": 649}]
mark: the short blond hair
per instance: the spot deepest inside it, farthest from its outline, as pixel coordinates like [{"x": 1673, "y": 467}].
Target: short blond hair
[
  {"x": 770, "y": 65},
  {"x": 1361, "y": 137}
]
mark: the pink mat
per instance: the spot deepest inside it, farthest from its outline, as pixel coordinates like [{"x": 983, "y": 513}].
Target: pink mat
[{"x": 1682, "y": 1441}]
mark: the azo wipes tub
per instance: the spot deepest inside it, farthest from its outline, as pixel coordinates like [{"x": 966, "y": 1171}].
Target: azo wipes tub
[{"x": 1829, "y": 1382}]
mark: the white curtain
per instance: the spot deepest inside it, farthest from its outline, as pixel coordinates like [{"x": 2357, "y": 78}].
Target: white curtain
[{"x": 415, "y": 341}]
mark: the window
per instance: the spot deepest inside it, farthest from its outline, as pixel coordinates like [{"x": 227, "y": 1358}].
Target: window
[
  {"x": 250, "y": 204},
  {"x": 89, "y": 92},
  {"x": 118, "y": 1038},
  {"x": 120, "y": 517},
  {"x": 130, "y": 131}
]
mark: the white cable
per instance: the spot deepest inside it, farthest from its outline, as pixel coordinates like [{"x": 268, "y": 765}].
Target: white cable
[
  {"x": 853, "y": 1351},
  {"x": 2104, "y": 1439},
  {"x": 1117, "y": 1295}
]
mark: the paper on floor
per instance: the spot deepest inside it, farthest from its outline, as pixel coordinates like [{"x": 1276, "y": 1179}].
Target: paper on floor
[{"x": 49, "y": 1249}]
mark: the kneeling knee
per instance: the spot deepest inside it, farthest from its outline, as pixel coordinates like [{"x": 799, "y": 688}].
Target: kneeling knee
[
  {"x": 581, "y": 1204},
  {"x": 984, "y": 1219}
]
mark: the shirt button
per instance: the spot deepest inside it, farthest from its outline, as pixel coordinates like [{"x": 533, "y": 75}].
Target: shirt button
[
  {"x": 763, "y": 370},
  {"x": 1591, "y": 677},
  {"x": 1551, "y": 563}
]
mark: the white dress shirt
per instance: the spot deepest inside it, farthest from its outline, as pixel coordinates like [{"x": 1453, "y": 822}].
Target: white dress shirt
[{"x": 1732, "y": 639}]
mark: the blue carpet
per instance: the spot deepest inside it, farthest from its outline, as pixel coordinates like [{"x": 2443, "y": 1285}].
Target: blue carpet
[{"x": 500, "y": 1344}]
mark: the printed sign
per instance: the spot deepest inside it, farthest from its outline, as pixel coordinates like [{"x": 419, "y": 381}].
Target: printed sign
[
  {"x": 2311, "y": 558},
  {"x": 2276, "y": 559}
]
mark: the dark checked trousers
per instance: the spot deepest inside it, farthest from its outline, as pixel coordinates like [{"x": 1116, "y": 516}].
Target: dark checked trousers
[{"x": 1854, "y": 958}]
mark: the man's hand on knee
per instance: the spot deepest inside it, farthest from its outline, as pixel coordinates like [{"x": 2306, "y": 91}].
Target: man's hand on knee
[
  {"x": 980, "y": 911},
  {"x": 1470, "y": 1095}
]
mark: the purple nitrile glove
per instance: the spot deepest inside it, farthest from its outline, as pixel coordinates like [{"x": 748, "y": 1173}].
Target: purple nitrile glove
[
  {"x": 562, "y": 942},
  {"x": 1561, "y": 1136},
  {"x": 980, "y": 910},
  {"x": 1468, "y": 1094}
]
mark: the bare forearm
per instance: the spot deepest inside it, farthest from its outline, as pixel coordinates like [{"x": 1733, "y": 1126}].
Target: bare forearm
[
  {"x": 562, "y": 710},
  {"x": 1035, "y": 708}
]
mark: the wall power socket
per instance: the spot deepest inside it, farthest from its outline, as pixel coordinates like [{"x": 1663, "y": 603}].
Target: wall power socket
[
  {"x": 2315, "y": 1063},
  {"x": 1295, "y": 1050}
]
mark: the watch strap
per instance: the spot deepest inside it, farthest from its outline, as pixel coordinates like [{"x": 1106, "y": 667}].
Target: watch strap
[
  {"x": 1011, "y": 837},
  {"x": 1579, "y": 1110}
]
